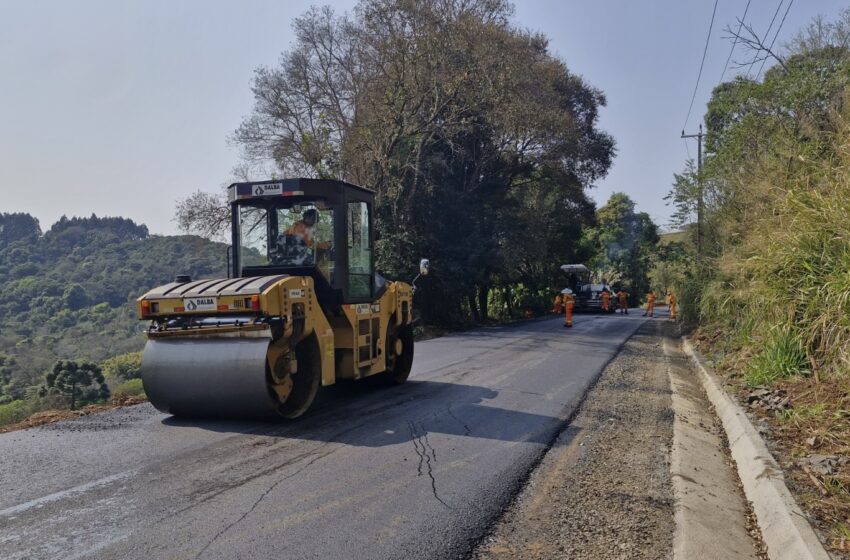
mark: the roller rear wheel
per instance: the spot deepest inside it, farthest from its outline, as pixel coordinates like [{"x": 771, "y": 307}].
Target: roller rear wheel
[{"x": 399, "y": 350}]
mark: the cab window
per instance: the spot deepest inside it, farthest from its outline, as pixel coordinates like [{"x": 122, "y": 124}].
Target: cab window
[{"x": 359, "y": 251}]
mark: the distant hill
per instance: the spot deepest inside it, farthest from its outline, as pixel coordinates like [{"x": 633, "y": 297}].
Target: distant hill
[{"x": 69, "y": 292}]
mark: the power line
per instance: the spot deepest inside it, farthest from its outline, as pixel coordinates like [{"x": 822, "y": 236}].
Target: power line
[
  {"x": 766, "y": 33},
  {"x": 701, "y": 64},
  {"x": 778, "y": 29},
  {"x": 735, "y": 42}
]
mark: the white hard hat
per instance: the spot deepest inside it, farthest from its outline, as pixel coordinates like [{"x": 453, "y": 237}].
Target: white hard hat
[{"x": 567, "y": 291}]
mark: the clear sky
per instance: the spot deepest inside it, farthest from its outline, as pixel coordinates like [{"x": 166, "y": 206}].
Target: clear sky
[{"x": 121, "y": 108}]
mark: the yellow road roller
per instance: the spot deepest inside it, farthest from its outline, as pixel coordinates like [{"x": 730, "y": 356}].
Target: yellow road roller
[{"x": 302, "y": 308}]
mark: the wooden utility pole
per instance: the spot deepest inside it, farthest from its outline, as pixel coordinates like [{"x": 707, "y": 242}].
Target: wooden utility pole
[{"x": 699, "y": 187}]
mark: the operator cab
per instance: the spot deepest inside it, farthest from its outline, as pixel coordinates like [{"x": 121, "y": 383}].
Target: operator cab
[{"x": 307, "y": 227}]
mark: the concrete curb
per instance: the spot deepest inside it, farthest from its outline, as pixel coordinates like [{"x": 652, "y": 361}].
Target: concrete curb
[{"x": 784, "y": 528}]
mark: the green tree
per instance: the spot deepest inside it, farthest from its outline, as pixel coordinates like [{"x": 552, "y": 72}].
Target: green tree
[
  {"x": 623, "y": 243},
  {"x": 80, "y": 382},
  {"x": 17, "y": 227},
  {"x": 472, "y": 133},
  {"x": 75, "y": 297}
]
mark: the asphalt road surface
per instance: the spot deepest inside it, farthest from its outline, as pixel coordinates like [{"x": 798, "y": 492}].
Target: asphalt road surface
[{"x": 417, "y": 471}]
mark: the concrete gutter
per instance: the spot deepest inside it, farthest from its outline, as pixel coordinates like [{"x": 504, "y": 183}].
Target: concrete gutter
[
  {"x": 710, "y": 513},
  {"x": 784, "y": 528}
]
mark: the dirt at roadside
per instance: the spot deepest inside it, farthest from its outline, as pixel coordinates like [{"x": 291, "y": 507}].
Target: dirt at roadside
[
  {"x": 51, "y": 416},
  {"x": 604, "y": 490}
]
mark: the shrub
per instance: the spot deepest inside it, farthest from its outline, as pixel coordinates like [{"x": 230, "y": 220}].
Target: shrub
[
  {"x": 124, "y": 366},
  {"x": 132, "y": 388},
  {"x": 16, "y": 411}
]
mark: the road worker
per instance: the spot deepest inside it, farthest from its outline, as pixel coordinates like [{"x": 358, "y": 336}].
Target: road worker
[
  {"x": 606, "y": 300},
  {"x": 623, "y": 299},
  {"x": 671, "y": 301},
  {"x": 569, "y": 302},
  {"x": 304, "y": 228},
  {"x": 558, "y": 306},
  {"x": 650, "y": 304}
]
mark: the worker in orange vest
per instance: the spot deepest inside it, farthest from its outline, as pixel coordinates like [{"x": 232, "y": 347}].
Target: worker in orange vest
[
  {"x": 569, "y": 302},
  {"x": 558, "y": 307},
  {"x": 304, "y": 228},
  {"x": 623, "y": 299},
  {"x": 671, "y": 301},
  {"x": 650, "y": 304},
  {"x": 606, "y": 300}
]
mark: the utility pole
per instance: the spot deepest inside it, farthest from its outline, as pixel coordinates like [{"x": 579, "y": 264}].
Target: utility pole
[{"x": 699, "y": 187}]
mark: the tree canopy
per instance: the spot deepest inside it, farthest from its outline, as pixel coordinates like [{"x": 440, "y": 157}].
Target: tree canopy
[
  {"x": 79, "y": 382},
  {"x": 623, "y": 243},
  {"x": 479, "y": 143}
]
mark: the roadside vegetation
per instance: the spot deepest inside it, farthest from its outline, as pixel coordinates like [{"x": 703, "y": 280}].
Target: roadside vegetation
[
  {"x": 67, "y": 295},
  {"x": 770, "y": 291}
]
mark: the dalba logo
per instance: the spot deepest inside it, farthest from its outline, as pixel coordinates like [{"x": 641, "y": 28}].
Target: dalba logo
[{"x": 200, "y": 304}]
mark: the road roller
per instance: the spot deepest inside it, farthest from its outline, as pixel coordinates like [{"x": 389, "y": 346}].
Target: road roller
[{"x": 301, "y": 307}]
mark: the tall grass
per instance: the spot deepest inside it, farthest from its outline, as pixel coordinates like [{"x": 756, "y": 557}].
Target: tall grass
[{"x": 783, "y": 287}]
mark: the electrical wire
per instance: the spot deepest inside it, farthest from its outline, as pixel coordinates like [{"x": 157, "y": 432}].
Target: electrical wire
[
  {"x": 766, "y": 33},
  {"x": 778, "y": 29},
  {"x": 735, "y": 42},
  {"x": 701, "y": 64}
]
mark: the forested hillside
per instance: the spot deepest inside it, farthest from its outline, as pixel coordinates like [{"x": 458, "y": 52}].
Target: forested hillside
[{"x": 68, "y": 292}]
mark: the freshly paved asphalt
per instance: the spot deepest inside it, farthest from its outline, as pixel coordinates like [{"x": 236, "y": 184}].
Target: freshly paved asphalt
[{"x": 417, "y": 471}]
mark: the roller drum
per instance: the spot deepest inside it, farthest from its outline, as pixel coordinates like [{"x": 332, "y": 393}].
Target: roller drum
[{"x": 209, "y": 377}]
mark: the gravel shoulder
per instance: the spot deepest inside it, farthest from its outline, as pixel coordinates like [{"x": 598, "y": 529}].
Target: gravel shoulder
[{"x": 604, "y": 490}]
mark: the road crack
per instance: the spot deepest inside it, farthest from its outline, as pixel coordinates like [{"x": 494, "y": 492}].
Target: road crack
[
  {"x": 269, "y": 490},
  {"x": 427, "y": 457},
  {"x": 466, "y": 430}
]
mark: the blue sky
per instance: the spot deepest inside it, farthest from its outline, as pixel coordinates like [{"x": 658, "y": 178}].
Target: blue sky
[{"x": 121, "y": 108}]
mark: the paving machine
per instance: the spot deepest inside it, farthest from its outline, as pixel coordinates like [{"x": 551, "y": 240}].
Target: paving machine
[
  {"x": 302, "y": 308},
  {"x": 588, "y": 294}
]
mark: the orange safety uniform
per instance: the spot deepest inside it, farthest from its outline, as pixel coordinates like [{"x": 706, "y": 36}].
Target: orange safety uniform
[
  {"x": 606, "y": 300},
  {"x": 671, "y": 301},
  {"x": 305, "y": 232},
  {"x": 623, "y": 299},
  {"x": 569, "y": 302},
  {"x": 302, "y": 230},
  {"x": 558, "y": 306},
  {"x": 650, "y": 304}
]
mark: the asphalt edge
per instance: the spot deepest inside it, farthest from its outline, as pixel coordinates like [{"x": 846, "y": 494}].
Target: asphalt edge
[
  {"x": 574, "y": 407},
  {"x": 785, "y": 529}
]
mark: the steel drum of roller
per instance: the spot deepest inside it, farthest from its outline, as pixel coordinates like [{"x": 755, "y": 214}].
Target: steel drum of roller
[{"x": 209, "y": 377}]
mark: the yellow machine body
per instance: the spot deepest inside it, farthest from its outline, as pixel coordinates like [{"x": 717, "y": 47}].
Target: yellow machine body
[
  {"x": 351, "y": 344},
  {"x": 261, "y": 343}
]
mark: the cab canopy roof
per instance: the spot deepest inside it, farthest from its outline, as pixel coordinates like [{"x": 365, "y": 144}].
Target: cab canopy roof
[
  {"x": 575, "y": 268},
  {"x": 328, "y": 189}
]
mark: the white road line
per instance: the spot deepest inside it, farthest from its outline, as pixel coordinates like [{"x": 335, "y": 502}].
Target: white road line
[{"x": 39, "y": 502}]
